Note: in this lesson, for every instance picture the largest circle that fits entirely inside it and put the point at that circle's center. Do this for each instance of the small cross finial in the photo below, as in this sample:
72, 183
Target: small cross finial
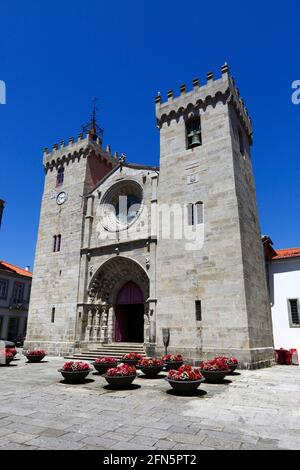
94, 114
92, 127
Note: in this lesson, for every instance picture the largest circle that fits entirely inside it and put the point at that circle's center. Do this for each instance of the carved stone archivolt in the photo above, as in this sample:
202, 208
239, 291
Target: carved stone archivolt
112, 275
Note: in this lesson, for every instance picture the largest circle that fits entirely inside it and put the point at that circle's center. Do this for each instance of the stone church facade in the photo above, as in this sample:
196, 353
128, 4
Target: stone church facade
132, 253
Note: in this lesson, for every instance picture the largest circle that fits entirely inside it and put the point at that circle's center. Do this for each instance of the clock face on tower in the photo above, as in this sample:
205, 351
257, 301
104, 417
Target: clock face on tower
61, 198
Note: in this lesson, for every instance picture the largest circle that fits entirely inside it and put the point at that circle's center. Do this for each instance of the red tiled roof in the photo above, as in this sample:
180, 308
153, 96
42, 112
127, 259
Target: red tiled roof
287, 253
16, 269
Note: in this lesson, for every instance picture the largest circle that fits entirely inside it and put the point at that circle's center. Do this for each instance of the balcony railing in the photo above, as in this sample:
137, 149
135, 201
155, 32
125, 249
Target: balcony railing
18, 304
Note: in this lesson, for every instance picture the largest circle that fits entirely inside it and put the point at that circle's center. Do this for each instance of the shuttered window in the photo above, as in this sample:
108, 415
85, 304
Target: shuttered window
294, 312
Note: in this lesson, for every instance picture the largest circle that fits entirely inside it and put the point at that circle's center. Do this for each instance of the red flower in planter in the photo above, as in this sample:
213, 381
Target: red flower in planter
233, 361
122, 370
75, 366
133, 356
187, 373
150, 361
13, 351
217, 364
36, 352
173, 358
106, 360
230, 360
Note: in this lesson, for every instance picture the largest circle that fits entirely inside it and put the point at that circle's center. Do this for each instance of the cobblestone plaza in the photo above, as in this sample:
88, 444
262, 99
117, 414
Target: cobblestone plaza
249, 411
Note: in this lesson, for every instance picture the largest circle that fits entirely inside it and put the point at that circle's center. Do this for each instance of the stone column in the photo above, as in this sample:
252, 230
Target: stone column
150, 347
89, 327
104, 337
110, 325
97, 318
152, 319
146, 324
96, 327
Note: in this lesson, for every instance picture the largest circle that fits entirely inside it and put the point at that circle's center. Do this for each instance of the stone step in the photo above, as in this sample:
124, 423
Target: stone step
115, 350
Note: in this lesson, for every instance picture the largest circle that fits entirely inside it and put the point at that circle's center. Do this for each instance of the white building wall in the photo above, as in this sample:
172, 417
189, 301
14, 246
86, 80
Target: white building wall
285, 285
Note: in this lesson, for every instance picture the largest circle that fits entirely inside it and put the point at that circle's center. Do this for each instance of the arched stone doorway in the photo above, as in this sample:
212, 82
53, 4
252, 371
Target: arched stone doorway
129, 314
118, 293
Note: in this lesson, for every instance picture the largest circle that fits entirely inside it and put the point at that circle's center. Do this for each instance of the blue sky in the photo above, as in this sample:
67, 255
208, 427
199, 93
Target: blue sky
56, 56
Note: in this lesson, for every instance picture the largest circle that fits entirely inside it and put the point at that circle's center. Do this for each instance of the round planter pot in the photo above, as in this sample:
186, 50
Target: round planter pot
35, 358
173, 365
151, 371
130, 362
233, 368
103, 367
184, 386
74, 377
119, 381
215, 376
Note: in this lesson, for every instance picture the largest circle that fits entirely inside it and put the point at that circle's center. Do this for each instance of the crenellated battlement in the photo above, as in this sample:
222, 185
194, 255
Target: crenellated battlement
85, 145
201, 96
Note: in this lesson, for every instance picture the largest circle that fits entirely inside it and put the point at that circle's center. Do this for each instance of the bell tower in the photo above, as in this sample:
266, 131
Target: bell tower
211, 290
71, 171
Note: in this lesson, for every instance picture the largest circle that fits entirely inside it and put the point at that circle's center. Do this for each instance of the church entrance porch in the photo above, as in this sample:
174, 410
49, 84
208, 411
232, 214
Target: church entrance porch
118, 311
129, 314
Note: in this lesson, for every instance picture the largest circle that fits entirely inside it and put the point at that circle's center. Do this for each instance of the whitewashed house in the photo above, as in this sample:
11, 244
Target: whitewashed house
284, 287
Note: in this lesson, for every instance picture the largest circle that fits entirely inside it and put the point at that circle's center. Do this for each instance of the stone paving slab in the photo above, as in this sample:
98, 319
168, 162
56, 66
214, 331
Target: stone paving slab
252, 410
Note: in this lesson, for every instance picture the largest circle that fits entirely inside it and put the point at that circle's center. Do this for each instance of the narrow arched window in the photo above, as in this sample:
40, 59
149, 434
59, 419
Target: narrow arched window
199, 213
58, 245
190, 209
54, 243
195, 213
60, 177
